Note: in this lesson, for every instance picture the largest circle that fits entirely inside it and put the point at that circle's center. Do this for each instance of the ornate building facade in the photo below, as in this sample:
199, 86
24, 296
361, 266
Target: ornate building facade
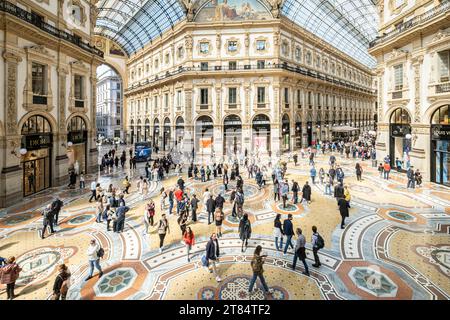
414, 85
234, 78
47, 110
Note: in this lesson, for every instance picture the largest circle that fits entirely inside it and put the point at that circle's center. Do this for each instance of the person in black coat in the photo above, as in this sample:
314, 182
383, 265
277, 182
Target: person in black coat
219, 201
245, 231
343, 210
180, 183
56, 208
120, 223
212, 254
288, 229
339, 191
306, 192
210, 207
295, 188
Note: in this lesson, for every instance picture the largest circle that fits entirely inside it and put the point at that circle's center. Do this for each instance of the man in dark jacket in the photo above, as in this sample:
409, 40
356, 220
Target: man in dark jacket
210, 207
306, 192
288, 229
339, 191
295, 189
120, 212
212, 254
47, 220
56, 208
343, 209
194, 207
219, 201
180, 183
411, 178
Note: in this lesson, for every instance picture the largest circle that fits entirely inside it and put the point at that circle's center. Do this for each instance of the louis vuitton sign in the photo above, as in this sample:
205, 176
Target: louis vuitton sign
440, 132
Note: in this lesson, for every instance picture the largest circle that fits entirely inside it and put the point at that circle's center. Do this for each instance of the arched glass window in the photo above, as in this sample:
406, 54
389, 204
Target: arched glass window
400, 116
36, 125
441, 116
76, 124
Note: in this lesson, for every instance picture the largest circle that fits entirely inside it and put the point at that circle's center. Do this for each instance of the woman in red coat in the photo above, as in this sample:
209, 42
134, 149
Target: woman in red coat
8, 275
189, 240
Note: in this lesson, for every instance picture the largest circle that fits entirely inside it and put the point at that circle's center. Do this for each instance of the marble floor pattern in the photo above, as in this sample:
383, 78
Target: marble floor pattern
396, 244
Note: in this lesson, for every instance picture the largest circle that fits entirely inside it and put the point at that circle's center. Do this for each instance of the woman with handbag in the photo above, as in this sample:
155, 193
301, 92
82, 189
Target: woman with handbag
8, 275
61, 284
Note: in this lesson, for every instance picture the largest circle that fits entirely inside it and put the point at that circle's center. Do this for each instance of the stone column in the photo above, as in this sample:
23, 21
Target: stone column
218, 129
188, 139
11, 175
60, 174
92, 157
246, 121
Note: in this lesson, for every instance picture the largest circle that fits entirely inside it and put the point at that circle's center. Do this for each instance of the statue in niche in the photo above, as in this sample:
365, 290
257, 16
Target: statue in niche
276, 7
189, 10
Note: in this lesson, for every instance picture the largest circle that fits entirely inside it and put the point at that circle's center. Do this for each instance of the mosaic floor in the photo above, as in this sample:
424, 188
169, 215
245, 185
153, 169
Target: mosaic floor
396, 244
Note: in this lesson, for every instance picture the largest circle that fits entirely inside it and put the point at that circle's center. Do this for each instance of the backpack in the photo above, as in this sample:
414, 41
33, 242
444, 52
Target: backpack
100, 252
320, 243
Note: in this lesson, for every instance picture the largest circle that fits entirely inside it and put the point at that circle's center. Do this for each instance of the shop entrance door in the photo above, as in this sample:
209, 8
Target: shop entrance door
36, 175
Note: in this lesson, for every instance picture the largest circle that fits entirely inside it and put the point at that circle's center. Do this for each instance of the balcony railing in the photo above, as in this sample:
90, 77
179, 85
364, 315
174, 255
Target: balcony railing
443, 7
397, 94
443, 87
35, 20
275, 67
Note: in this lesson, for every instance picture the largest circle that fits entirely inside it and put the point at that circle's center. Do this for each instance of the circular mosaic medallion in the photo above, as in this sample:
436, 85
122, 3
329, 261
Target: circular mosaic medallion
402, 216
289, 207
115, 282
17, 218
236, 288
373, 281
83, 218
442, 257
249, 191
40, 263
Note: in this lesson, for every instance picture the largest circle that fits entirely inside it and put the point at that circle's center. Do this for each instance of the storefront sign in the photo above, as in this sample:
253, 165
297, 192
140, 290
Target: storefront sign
440, 132
400, 130
38, 141
77, 136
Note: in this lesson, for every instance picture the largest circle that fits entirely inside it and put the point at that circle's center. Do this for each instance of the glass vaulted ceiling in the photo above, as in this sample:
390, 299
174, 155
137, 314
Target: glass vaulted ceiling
348, 25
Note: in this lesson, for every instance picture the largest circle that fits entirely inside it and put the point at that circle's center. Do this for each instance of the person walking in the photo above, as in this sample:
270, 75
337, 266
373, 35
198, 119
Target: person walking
194, 207
108, 215
93, 191
82, 182
212, 255
288, 229
386, 170
339, 191
418, 177
411, 178
61, 284
276, 190
94, 253
100, 210
9, 275
56, 208
284, 190
47, 220
300, 251
189, 241
317, 244
163, 229
278, 232
245, 231
358, 170
126, 184
313, 173
306, 193
347, 195
380, 170
120, 213
258, 271
343, 210
295, 189
218, 217
210, 207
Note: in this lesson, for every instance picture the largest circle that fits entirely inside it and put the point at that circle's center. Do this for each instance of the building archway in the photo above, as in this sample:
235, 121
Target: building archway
440, 145
285, 133
399, 128
261, 133
36, 162
77, 142
166, 134
232, 135
204, 135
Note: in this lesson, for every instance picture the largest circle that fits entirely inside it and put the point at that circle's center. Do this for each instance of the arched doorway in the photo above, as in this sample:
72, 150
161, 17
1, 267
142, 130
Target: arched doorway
179, 133
166, 134
77, 137
440, 146
232, 135
399, 127
156, 133
298, 131
261, 133
37, 140
309, 130
204, 135
285, 133
139, 131
147, 130
132, 131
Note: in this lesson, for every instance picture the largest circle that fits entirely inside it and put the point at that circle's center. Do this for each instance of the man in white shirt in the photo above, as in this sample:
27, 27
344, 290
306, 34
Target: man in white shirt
206, 196
94, 259
93, 190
